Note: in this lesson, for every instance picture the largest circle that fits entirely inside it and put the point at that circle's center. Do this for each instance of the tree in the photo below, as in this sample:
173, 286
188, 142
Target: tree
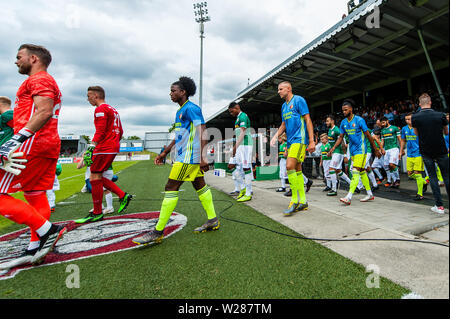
87, 138
133, 138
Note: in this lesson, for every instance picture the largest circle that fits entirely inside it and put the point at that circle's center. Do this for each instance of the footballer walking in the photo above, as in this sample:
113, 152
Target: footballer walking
102, 152
190, 163
242, 150
357, 132
35, 143
296, 122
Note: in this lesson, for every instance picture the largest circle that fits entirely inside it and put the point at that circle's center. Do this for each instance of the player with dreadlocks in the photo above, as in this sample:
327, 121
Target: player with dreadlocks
190, 163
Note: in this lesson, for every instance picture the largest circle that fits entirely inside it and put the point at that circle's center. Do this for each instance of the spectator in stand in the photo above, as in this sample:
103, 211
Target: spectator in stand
389, 116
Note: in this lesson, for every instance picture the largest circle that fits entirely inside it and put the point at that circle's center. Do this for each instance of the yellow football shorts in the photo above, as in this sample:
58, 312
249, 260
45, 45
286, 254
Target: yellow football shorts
297, 151
359, 160
185, 172
414, 164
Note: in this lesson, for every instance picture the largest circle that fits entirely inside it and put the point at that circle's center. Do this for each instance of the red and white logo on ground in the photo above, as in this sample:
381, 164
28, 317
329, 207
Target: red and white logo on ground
111, 235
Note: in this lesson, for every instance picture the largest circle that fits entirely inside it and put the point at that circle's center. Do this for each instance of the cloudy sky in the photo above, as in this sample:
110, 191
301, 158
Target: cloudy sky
136, 48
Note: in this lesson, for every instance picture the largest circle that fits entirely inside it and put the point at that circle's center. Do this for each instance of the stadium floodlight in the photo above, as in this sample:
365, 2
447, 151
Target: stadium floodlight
201, 13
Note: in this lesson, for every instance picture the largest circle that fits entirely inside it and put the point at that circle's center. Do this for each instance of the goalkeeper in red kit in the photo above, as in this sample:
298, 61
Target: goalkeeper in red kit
28, 159
101, 153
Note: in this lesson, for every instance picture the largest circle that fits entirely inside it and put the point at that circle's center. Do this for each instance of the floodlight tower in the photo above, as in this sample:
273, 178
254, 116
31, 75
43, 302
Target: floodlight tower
201, 14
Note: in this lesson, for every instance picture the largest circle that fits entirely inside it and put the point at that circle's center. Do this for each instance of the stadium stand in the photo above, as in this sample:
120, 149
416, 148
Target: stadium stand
384, 69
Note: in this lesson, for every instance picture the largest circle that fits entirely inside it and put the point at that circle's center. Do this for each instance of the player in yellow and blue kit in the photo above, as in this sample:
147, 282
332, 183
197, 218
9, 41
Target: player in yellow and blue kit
357, 132
414, 161
296, 122
189, 165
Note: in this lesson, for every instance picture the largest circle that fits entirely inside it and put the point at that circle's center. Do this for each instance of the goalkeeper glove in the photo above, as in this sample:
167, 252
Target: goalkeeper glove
88, 155
13, 165
8, 157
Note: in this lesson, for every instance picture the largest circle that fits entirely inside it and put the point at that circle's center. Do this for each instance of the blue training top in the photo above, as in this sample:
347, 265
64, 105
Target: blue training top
292, 114
187, 141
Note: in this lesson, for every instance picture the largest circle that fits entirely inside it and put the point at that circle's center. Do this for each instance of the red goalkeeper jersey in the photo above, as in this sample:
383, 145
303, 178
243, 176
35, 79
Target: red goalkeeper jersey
46, 141
108, 130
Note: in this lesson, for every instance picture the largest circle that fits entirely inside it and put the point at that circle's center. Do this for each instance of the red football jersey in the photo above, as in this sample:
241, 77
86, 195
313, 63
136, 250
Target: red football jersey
46, 141
108, 130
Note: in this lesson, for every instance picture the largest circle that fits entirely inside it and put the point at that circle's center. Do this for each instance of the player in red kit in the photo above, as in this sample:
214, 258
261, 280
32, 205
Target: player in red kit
101, 153
35, 143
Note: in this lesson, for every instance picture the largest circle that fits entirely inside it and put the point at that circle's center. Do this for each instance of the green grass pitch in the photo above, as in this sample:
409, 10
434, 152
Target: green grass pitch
237, 261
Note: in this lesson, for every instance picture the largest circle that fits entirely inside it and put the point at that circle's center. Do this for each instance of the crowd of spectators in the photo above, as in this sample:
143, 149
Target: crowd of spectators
68, 152
394, 110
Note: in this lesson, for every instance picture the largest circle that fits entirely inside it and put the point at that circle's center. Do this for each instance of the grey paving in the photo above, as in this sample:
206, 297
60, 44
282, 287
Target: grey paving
422, 268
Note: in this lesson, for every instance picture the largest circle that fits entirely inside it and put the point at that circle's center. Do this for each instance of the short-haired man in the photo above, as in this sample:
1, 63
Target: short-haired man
414, 161
296, 121
242, 149
430, 126
102, 152
36, 138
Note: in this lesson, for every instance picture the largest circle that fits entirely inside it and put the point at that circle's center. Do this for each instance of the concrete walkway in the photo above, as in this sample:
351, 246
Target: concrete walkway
422, 268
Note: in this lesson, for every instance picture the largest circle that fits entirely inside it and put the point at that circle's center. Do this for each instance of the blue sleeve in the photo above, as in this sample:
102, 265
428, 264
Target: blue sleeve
301, 106
194, 114
363, 125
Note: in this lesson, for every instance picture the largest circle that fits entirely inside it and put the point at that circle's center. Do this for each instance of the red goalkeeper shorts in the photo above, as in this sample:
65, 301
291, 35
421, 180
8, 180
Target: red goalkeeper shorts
38, 175
102, 162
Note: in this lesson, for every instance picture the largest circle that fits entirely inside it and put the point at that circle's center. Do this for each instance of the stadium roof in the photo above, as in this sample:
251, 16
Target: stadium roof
350, 58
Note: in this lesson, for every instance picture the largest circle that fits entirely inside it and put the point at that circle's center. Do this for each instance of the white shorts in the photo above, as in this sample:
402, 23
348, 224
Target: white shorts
326, 166
378, 162
106, 174
244, 156
391, 156
283, 170
336, 161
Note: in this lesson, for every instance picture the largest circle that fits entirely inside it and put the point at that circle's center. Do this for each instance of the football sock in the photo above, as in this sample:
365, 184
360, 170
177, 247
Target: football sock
283, 183
237, 180
97, 195
39, 201
366, 182
396, 174
377, 171
205, 197
109, 200
20, 212
333, 180
439, 174
168, 205
372, 178
344, 177
111, 186
51, 198
248, 182
420, 182
354, 182
301, 187
293, 182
